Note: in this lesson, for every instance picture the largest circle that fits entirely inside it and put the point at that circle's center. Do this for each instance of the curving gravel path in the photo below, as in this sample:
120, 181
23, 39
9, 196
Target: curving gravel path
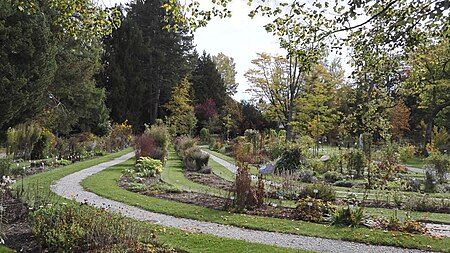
69, 187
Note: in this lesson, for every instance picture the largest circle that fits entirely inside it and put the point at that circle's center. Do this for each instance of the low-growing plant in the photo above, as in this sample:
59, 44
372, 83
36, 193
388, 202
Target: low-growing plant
414, 184
287, 188
315, 210
424, 203
78, 228
333, 176
63, 162
306, 176
348, 215
344, 183
395, 224
147, 167
318, 191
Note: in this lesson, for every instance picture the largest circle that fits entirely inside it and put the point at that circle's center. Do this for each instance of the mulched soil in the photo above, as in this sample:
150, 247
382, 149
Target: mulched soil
18, 233
206, 200
210, 180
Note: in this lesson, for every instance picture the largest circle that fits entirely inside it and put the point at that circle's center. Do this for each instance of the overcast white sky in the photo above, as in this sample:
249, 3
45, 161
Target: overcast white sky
239, 37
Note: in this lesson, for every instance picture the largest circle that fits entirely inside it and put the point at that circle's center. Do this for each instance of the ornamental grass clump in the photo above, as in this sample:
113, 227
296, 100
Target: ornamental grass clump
193, 158
348, 215
247, 196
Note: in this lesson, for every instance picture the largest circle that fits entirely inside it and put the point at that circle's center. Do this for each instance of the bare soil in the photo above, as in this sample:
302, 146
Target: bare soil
18, 233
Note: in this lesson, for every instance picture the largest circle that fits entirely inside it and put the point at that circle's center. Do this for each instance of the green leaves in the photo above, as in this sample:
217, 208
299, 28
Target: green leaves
76, 18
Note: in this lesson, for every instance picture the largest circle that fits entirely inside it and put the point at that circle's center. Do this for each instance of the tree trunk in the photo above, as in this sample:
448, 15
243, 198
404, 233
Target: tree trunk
428, 133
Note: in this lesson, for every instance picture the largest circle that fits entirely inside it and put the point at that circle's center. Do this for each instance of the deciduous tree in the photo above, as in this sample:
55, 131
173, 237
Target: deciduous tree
227, 69
181, 117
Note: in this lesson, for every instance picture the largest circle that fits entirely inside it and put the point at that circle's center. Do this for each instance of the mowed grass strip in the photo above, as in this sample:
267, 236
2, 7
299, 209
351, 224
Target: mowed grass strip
108, 188
173, 175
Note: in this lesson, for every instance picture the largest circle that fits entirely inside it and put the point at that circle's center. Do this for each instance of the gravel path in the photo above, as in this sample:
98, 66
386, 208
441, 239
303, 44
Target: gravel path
70, 188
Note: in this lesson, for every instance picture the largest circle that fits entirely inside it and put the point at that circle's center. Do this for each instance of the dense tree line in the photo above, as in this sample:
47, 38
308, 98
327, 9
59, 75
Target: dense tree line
47, 68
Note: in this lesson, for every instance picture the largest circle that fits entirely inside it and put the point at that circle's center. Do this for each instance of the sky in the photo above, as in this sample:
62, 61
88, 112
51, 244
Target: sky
239, 37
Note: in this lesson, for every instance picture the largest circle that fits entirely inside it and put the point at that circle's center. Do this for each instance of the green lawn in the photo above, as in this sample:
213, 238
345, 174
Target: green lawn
109, 188
173, 175
415, 162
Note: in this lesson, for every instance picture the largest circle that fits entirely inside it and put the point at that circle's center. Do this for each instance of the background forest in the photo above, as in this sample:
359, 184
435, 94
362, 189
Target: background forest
137, 63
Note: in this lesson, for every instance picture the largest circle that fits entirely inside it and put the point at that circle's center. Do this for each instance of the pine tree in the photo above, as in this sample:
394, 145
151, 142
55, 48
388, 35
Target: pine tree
143, 61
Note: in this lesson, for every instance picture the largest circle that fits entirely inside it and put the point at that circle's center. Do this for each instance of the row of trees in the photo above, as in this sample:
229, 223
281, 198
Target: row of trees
399, 52
409, 100
70, 67
154, 73
49, 55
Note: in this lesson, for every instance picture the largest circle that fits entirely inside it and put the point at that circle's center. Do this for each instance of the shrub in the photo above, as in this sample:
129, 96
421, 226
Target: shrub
318, 191
243, 151
291, 159
406, 152
306, 143
161, 137
119, 137
355, 162
348, 215
440, 164
430, 181
182, 144
306, 176
5, 166
42, 147
344, 183
22, 138
246, 196
316, 165
216, 145
275, 150
145, 146
333, 176
315, 210
75, 228
204, 135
